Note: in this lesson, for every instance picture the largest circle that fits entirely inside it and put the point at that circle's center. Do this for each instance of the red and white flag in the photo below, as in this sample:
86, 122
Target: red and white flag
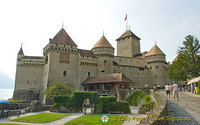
125, 18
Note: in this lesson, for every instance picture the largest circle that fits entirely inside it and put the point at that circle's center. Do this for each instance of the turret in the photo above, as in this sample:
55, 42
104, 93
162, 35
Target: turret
105, 53
156, 62
20, 55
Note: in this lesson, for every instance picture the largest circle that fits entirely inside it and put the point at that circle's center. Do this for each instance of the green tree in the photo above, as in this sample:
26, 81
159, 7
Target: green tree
187, 64
57, 88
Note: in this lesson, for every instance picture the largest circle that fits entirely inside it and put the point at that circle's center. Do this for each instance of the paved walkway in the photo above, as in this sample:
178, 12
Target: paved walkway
187, 106
57, 122
134, 118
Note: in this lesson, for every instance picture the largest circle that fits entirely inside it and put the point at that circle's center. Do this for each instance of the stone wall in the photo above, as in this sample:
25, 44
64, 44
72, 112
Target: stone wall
159, 114
14, 106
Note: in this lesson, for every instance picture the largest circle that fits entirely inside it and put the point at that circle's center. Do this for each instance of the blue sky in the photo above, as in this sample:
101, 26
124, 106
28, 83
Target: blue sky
33, 22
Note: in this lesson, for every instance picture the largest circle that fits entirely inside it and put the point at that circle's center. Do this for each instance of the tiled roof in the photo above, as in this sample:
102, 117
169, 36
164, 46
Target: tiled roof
21, 51
63, 38
155, 50
86, 53
103, 42
109, 78
128, 33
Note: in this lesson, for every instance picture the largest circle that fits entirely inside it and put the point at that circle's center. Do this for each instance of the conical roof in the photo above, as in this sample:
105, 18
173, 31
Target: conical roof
103, 42
155, 50
21, 51
63, 38
126, 34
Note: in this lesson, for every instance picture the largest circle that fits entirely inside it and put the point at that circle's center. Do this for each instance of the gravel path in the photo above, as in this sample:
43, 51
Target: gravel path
188, 106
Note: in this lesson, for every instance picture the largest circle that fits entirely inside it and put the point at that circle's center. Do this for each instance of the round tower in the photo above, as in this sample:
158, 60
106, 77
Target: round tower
156, 62
105, 53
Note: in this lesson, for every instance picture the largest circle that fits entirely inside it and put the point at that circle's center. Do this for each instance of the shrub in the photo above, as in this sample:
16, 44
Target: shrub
146, 107
147, 98
76, 99
121, 106
134, 98
108, 104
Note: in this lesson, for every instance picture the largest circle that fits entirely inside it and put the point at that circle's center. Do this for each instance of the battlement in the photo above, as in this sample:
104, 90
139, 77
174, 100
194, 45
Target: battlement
32, 60
59, 48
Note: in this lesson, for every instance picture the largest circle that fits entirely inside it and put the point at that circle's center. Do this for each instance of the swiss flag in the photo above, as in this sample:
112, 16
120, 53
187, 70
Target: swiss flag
125, 18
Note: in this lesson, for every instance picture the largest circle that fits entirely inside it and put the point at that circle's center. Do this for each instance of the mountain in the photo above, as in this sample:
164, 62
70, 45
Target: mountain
6, 82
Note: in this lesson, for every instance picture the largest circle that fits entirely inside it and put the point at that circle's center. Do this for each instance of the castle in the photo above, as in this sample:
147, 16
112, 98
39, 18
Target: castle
97, 69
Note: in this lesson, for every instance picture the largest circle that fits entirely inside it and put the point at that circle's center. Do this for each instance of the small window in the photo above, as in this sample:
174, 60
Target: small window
104, 62
150, 67
102, 70
46, 59
88, 73
141, 69
155, 76
27, 81
156, 67
64, 73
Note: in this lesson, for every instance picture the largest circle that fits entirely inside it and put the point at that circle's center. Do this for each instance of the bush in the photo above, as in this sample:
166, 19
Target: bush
147, 98
105, 102
76, 99
146, 107
134, 98
108, 104
121, 106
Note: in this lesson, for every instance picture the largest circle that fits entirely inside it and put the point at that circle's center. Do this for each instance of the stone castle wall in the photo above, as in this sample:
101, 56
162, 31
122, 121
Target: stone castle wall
28, 82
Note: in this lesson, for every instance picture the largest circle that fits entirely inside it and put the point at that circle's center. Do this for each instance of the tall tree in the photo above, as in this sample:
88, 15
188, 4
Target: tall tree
57, 88
187, 64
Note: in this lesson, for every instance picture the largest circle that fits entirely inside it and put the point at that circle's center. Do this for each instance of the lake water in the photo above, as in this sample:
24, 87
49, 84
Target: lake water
6, 93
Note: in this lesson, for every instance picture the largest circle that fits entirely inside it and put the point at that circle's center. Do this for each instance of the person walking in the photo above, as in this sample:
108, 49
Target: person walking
154, 88
171, 88
167, 91
175, 91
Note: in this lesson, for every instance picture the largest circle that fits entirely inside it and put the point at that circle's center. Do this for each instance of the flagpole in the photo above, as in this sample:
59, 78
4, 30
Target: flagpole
127, 24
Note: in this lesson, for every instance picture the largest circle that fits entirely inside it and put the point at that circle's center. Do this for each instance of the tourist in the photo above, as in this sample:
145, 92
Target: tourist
154, 88
175, 90
158, 86
171, 88
180, 88
167, 91
183, 88
84, 108
18, 113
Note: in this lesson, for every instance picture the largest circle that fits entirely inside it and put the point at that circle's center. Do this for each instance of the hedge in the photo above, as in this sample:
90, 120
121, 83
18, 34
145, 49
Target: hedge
76, 99
107, 104
121, 106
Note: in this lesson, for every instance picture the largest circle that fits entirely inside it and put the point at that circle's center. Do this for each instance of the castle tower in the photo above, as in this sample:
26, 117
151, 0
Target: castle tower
61, 61
156, 63
105, 53
128, 44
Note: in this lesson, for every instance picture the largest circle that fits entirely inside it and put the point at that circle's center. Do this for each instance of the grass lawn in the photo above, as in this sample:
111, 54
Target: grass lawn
40, 118
96, 120
9, 124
